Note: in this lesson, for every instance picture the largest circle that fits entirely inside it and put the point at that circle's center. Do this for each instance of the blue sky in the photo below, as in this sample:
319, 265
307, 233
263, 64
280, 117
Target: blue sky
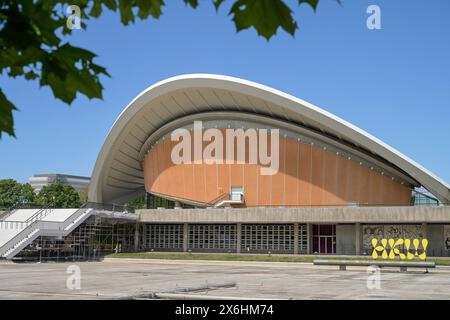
394, 83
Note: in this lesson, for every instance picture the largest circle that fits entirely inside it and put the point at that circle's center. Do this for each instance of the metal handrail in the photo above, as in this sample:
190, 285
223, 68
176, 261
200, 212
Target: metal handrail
42, 213
341, 205
217, 199
39, 215
11, 209
23, 224
230, 200
13, 241
70, 220
195, 203
109, 207
41, 225
32, 218
14, 225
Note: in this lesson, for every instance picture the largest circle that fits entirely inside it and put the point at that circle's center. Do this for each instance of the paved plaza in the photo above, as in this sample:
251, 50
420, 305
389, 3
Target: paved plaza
126, 278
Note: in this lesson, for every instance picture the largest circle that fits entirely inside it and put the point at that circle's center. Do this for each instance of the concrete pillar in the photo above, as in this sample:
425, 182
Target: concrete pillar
424, 233
144, 244
177, 205
185, 237
309, 237
149, 243
436, 240
136, 237
238, 237
424, 230
358, 238
295, 238
345, 239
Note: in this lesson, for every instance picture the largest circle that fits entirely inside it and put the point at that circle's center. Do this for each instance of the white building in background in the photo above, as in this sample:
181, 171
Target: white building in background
38, 181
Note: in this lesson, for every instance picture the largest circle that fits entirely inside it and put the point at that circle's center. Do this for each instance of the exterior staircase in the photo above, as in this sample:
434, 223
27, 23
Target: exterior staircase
35, 226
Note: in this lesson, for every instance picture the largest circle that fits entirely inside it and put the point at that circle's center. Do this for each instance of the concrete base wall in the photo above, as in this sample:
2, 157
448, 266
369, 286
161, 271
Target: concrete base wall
345, 239
418, 214
348, 241
348, 221
435, 236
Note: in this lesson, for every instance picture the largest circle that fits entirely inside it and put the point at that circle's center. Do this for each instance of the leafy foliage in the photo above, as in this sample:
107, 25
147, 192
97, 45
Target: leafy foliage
14, 193
6, 115
33, 33
31, 47
248, 13
138, 203
83, 193
58, 195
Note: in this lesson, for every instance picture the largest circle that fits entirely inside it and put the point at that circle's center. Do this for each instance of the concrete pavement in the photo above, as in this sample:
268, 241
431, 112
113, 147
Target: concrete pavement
123, 278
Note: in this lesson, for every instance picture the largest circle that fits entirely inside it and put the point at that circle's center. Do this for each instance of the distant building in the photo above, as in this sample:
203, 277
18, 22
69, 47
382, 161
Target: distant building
38, 181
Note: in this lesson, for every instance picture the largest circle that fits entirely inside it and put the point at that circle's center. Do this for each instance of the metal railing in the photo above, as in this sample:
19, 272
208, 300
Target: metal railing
328, 206
218, 199
40, 225
19, 236
10, 225
109, 207
35, 222
233, 198
11, 209
42, 213
39, 215
341, 205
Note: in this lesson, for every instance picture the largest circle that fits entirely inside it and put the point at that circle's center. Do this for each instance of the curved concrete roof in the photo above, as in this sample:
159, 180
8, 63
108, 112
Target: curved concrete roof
118, 176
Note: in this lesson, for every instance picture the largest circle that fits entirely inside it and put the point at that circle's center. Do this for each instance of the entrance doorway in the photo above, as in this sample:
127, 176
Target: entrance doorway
324, 238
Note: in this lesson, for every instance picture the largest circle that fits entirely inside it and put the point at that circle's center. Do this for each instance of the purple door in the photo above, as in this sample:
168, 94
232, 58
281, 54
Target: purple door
324, 238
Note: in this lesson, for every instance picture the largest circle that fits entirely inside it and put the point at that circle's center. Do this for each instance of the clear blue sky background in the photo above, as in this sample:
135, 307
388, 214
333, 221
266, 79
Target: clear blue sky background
393, 83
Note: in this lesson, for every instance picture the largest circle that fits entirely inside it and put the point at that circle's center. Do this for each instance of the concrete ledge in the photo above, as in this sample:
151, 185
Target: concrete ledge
232, 263
387, 263
417, 214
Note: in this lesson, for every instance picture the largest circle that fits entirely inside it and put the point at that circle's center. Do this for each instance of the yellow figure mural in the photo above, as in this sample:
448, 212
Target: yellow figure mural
381, 248
394, 251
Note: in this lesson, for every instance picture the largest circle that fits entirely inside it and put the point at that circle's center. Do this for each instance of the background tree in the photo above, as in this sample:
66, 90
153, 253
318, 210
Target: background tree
83, 193
58, 195
138, 203
33, 40
14, 193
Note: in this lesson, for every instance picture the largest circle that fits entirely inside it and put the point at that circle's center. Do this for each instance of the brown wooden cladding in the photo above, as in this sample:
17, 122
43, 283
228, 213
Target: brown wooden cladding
307, 176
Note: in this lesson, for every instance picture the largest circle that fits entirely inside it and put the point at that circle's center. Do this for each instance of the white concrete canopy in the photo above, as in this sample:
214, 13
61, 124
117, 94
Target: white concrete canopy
118, 176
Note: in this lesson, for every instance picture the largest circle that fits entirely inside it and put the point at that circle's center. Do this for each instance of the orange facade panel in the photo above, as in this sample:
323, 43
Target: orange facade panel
277, 188
307, 176
290, 196
317, 179
305, 165
342, 181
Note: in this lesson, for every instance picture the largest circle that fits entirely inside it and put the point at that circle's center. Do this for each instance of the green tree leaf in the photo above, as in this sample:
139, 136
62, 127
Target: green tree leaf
58, 195
6, 115
217, 3
13, 193
312, 3
266, 16
126, 11
138, 203
31, 43
192, 3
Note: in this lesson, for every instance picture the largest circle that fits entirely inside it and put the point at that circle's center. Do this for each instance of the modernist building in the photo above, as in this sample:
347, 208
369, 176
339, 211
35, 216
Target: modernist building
329, 187
38, 181
336, 186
